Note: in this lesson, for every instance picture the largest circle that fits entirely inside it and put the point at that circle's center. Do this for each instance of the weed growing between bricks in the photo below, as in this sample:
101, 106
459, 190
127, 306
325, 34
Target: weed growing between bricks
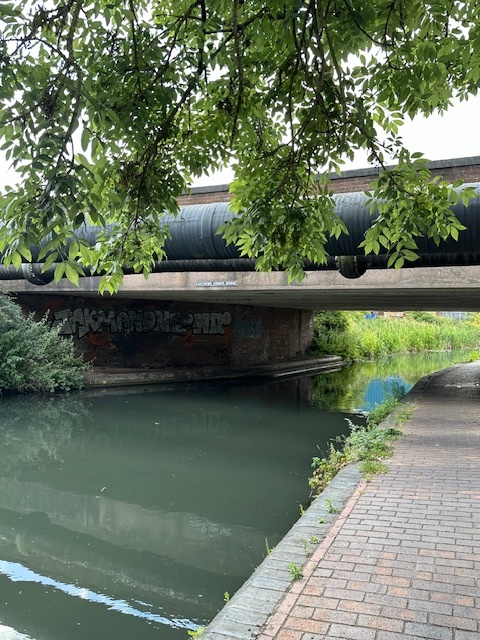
369, 444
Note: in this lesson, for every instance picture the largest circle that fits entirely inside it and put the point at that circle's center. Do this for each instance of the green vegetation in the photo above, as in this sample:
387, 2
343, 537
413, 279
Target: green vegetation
268, 548
473, 356
350, 335
109, 109
295, 571
331, 508
368, 445
33, 357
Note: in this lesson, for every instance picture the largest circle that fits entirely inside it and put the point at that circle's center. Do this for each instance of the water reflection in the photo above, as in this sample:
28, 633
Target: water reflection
128, 514
159, 500
359, 387
18, 573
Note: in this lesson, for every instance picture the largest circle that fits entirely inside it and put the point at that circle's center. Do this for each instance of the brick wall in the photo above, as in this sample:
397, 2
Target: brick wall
466, 169
149, 334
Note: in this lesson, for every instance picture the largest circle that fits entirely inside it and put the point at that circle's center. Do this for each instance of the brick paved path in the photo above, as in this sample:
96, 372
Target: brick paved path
402, 562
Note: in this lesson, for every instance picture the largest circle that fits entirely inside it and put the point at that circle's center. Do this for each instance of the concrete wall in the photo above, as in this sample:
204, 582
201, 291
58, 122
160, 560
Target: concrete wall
119, 332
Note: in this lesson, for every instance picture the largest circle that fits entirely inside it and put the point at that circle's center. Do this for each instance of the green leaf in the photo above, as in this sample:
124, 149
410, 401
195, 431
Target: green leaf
59, 272
71, 274
409, 255
85, 139
16, 259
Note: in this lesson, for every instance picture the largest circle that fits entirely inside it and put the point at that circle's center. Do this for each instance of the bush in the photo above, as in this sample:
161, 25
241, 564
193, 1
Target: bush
34, 357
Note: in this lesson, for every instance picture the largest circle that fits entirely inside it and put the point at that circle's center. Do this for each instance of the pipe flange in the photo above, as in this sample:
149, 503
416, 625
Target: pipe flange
350, 267
33, 273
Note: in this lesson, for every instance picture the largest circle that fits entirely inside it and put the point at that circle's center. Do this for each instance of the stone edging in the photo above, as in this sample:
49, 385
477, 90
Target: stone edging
244, 616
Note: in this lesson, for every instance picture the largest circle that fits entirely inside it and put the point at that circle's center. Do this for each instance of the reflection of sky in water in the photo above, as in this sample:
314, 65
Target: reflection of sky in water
379, 388
8, 633
18, 573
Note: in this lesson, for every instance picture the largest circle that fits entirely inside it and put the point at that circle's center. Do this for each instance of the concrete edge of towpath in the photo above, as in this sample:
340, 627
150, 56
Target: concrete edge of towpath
249, 609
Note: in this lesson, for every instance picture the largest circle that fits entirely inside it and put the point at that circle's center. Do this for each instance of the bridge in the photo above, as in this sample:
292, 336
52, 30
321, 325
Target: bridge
206, 305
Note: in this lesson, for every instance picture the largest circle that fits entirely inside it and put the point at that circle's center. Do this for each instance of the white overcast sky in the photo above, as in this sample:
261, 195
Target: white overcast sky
456, 134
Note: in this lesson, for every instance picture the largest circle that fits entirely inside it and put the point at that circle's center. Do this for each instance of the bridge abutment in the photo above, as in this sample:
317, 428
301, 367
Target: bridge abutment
154, 334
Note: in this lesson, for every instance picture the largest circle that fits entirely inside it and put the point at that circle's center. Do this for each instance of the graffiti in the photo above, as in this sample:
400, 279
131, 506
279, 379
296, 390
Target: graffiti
248, 328
80, 322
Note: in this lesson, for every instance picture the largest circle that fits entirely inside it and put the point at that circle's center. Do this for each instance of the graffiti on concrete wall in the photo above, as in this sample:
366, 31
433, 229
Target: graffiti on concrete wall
80, 322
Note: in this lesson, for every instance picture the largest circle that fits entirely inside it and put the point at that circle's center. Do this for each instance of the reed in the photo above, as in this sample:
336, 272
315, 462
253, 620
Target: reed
355, 338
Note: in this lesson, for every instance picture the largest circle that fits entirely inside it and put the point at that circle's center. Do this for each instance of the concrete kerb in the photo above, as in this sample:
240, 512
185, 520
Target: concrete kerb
245, 615
118, 377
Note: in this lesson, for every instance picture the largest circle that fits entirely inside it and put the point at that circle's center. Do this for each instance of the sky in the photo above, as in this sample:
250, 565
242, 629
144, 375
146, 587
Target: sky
456, 134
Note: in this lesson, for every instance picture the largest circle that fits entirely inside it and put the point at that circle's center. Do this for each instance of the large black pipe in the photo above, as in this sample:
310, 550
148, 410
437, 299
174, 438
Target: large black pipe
196, 246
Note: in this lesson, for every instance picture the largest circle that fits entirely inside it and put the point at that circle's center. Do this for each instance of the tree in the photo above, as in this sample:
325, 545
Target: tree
110, 107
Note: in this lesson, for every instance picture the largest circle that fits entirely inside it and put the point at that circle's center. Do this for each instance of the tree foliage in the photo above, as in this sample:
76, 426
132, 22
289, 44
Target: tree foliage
110, 107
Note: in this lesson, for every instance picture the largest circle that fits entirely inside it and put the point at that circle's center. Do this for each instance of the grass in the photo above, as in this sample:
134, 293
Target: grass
350, 335
369, 445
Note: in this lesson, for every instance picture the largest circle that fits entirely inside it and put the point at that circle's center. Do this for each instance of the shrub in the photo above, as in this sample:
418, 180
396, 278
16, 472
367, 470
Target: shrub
33, 356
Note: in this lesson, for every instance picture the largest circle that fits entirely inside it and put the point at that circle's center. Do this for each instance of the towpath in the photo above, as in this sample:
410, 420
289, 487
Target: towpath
402, 560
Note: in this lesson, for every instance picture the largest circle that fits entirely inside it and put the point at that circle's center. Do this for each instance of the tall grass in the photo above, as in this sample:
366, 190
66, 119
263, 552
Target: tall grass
356, 338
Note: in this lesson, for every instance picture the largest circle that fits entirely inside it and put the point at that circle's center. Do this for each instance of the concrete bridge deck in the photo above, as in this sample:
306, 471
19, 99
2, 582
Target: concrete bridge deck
402, 560
427, 288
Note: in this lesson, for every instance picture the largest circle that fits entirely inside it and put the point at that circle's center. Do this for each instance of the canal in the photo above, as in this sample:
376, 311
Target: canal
129, 513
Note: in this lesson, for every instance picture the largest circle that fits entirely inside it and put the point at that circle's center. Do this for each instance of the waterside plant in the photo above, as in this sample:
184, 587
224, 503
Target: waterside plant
369, 444
354, 337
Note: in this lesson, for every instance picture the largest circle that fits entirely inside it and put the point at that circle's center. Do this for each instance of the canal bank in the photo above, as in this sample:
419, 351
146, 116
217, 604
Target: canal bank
117, 376
401, 559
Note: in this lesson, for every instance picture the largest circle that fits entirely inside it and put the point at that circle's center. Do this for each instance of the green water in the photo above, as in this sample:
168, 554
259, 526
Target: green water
128, 514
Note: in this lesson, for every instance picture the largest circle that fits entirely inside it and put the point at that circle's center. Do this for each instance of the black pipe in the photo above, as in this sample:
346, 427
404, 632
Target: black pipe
195, 245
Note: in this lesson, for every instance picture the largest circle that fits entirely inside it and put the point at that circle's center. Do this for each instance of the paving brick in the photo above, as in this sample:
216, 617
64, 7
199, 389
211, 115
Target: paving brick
315, 626
455, 622
320, 602
379, 622
350, 633
466, 635
402, 560
428, 631
288, 634
404, 614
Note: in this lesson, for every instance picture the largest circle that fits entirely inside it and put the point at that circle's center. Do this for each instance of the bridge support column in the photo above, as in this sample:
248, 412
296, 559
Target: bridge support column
122, 332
